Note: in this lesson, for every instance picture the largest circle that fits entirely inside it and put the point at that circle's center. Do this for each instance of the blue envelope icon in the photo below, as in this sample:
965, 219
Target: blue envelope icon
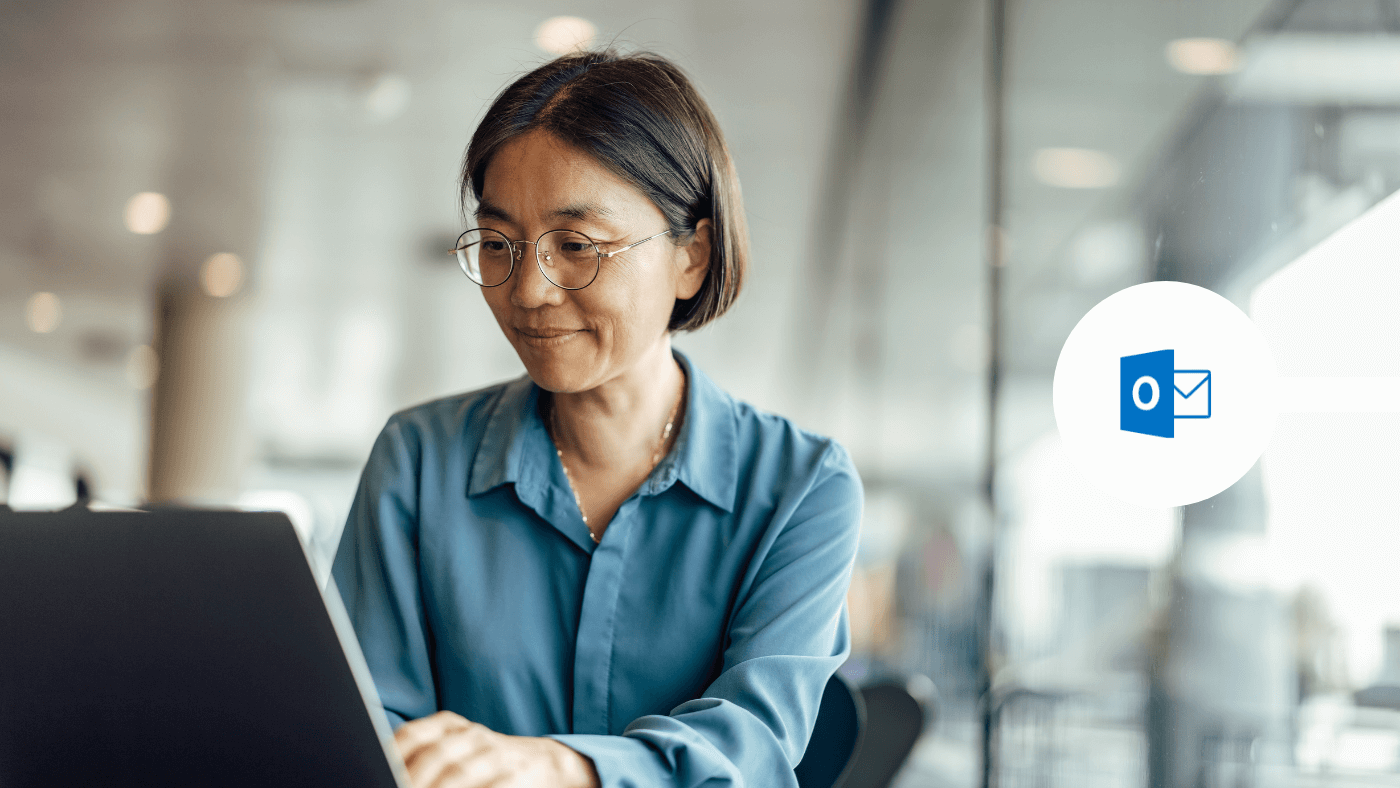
1153, 394
1191, 393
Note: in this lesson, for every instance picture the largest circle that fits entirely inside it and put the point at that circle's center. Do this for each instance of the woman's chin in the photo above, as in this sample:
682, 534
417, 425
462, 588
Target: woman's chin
559, 372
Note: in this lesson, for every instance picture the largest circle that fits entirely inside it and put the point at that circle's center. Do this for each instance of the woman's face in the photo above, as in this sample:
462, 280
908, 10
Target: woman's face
575, 340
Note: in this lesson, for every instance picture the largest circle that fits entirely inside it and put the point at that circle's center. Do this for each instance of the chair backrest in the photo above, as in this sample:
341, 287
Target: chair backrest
835, 738
894, 720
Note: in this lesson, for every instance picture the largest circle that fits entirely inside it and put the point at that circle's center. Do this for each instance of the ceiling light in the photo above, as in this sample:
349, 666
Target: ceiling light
388, 96
1075, 168
222, 274
1203, 55
147, 213
142, 367
43, 313
1321, 69
1106, 251
561, 35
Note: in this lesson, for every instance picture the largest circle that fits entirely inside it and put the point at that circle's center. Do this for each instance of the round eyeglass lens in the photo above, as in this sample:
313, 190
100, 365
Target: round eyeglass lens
485, 256
568, 259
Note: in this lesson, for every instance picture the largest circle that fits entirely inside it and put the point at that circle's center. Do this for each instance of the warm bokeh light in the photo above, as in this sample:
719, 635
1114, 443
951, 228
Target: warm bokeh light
147, 213
43, 313
142, 367
561, 35
1203, 56
222, 275
1075, 168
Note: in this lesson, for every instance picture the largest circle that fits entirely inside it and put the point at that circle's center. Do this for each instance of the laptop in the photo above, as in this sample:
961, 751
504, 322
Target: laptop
178, 648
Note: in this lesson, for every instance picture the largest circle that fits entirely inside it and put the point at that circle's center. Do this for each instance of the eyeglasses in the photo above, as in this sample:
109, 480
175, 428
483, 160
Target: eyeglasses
567, 259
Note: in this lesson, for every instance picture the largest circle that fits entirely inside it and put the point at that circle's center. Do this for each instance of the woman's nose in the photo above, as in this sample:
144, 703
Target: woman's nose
531, 288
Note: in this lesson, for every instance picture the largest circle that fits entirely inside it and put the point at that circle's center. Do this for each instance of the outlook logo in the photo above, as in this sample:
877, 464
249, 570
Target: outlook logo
1108, 394
1154, 394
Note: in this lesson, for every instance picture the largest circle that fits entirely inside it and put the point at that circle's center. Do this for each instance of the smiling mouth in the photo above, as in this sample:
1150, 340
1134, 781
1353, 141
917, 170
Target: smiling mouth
547, 336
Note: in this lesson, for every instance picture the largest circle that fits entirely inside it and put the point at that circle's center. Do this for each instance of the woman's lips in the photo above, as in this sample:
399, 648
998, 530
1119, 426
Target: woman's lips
545, 337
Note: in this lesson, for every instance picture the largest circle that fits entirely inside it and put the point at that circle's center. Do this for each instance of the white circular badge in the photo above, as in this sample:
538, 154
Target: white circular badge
1164, 394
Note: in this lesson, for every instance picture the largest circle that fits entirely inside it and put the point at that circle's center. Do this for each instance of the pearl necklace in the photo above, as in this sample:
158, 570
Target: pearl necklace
655, 455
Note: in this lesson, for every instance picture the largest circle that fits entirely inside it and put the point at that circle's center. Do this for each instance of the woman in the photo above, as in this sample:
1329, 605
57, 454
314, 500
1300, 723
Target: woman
609, 572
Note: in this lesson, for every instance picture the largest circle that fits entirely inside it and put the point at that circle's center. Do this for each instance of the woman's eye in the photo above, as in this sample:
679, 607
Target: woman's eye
494, 247
574, 247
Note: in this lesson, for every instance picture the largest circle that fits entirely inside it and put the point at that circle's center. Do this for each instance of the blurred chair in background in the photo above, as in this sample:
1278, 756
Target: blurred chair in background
7, 465
837, 735
894, 720
863, 735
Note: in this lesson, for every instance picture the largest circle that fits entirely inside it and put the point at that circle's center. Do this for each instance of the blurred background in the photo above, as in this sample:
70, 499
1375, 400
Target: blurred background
223, 265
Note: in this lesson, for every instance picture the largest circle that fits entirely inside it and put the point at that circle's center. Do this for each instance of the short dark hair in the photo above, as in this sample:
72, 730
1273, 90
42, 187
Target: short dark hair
640, 117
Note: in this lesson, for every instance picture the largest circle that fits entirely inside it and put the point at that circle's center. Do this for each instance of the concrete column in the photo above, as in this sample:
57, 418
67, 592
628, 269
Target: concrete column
198, 436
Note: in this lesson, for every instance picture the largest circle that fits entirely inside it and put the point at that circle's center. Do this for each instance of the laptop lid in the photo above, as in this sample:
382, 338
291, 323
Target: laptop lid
180, 648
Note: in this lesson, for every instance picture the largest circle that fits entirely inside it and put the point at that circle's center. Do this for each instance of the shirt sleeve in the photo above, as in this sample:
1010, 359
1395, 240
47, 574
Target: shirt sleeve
788, 635
376, 572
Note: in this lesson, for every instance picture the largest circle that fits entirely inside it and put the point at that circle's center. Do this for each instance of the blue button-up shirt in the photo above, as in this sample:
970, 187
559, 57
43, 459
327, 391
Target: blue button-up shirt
692, 645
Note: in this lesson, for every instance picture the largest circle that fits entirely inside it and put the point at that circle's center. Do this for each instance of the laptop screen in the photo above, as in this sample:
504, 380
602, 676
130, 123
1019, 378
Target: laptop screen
178, 648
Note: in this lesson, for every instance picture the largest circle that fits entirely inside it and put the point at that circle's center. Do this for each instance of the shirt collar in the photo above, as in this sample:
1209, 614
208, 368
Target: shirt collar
515, 447
706, 455
513, 425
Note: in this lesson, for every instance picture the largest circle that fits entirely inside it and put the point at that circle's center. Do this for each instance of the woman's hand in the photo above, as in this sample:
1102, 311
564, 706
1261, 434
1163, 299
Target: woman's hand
448, 751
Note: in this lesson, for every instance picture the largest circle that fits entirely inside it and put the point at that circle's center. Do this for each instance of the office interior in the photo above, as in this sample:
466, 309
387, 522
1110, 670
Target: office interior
223, 265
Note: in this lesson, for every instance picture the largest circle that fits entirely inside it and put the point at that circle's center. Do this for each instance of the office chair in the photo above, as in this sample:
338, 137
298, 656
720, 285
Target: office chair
894, 720
836, 737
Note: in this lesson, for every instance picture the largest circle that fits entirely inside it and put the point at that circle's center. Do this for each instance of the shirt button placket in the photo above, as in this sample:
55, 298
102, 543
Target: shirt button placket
597, 622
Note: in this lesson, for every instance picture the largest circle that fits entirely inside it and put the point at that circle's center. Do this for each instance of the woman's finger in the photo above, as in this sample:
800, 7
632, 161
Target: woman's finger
412, 736
411, 741
474, 772
454, 760
438, 724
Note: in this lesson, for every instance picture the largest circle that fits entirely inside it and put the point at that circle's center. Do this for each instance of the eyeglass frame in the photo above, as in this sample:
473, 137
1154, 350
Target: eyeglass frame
517, 253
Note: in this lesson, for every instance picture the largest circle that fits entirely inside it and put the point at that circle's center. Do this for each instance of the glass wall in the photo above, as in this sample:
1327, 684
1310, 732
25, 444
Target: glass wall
1250, 639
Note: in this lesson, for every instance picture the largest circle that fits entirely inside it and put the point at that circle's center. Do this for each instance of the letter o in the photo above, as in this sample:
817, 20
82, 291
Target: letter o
1150, 404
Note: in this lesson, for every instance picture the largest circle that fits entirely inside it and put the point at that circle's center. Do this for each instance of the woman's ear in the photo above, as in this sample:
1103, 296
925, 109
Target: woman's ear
694, 260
